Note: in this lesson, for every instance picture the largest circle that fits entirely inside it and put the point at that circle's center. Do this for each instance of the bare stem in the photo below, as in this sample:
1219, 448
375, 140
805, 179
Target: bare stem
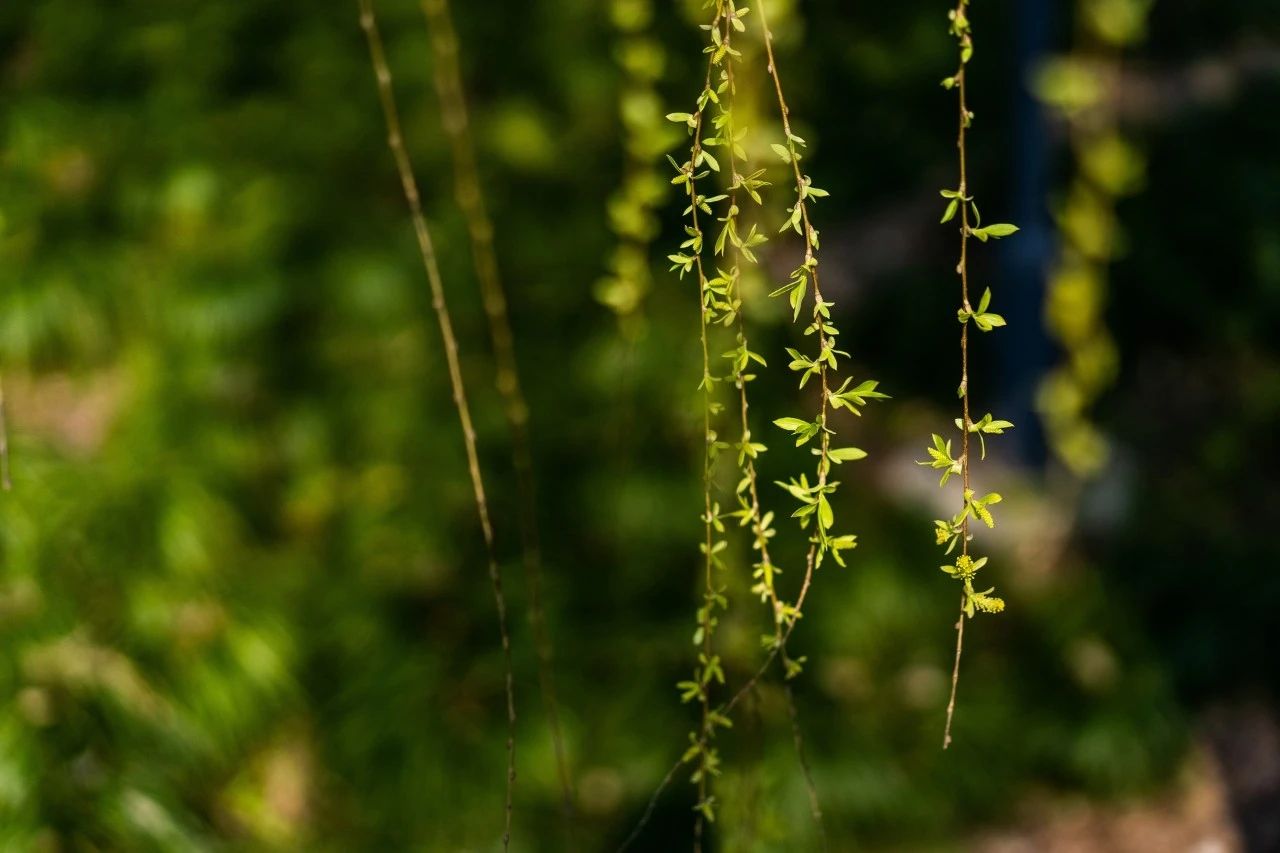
395, 142
470, 197
955, 675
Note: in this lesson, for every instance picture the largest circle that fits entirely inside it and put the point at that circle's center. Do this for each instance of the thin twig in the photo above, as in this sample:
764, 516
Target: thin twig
824, 459
470, 197
395, 142
963, 270
648, 809
749, 469
811, 261
704, 320
955, 675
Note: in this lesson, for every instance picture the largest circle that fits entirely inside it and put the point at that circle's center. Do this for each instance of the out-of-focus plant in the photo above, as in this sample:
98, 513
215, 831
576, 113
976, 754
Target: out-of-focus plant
470, 197
632, 207
955, 530
1081, 87
395, 141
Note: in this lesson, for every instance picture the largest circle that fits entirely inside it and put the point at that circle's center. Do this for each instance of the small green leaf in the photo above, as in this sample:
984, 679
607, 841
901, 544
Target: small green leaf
846, 454
998, 230
825, 516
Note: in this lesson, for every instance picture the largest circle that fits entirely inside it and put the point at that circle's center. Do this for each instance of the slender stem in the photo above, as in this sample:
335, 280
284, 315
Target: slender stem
467, 190
649, 807
963, 270
824, 459
810, 262
704, 320
395, 142
749, 469
955, 675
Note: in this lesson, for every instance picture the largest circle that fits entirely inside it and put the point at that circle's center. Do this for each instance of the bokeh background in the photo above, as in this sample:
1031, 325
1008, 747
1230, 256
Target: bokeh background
242, 591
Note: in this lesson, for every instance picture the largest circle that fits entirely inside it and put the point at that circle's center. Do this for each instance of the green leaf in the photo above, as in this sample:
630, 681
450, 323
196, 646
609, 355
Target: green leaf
791, 424
998, 230
846, 454
825, 516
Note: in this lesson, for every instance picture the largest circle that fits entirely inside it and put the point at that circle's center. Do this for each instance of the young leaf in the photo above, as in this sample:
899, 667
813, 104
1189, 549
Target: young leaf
846, 454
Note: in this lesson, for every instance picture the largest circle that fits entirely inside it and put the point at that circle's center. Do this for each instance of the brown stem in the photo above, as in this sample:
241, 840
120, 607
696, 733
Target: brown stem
470, 197
395, 142
963, 270
955, 675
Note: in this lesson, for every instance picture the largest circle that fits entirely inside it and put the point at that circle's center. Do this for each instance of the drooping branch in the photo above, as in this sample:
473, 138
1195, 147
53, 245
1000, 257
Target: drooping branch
409, 184
470, 197
955, 531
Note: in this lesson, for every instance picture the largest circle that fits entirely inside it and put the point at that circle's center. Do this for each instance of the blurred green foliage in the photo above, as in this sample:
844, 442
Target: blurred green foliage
241, 588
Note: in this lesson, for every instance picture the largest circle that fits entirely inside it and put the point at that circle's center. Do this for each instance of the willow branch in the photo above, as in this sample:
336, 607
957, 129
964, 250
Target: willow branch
963, 269
757, 521
395, 142
447, 78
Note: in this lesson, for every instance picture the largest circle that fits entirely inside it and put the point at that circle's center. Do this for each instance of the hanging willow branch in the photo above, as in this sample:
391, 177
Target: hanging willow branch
727, 303
955, 530
722, 305
470, 198
395, 141
708, 669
